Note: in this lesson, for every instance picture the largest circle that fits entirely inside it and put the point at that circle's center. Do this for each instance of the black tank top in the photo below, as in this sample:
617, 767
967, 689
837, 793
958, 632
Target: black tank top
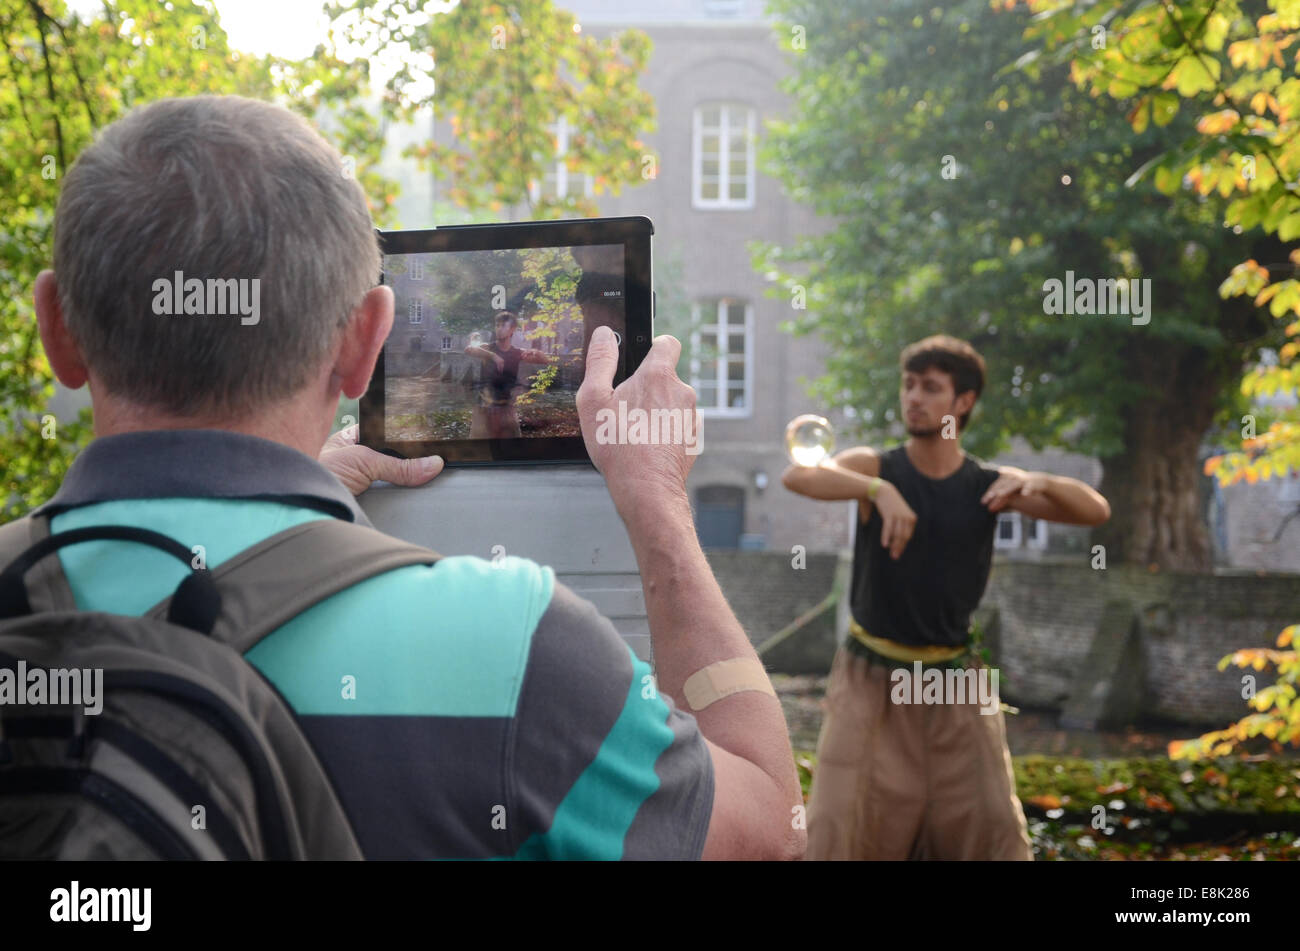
927, 596
501, 383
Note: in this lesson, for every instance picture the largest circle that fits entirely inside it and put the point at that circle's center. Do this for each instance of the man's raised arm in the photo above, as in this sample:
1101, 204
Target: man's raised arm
756, 789
851, 474
855, 474
1051, 498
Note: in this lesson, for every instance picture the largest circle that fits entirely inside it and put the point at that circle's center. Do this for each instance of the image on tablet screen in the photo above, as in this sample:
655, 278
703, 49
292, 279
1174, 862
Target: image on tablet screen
490, 344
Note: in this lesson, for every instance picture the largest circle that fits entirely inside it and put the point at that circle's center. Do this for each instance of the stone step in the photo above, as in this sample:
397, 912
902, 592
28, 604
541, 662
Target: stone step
1106, 690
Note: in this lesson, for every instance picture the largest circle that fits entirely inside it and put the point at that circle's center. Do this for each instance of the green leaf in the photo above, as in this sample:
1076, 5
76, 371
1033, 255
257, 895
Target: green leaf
1164, 107
1195, 74
1167, 181
1289, 229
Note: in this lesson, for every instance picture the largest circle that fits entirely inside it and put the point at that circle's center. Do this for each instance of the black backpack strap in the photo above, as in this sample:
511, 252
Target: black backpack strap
47, 588
277, 579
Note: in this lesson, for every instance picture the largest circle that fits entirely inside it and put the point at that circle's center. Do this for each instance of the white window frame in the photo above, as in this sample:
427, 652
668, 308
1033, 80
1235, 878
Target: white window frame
560, 129
727, 110
1038, 537
446, 343
415, 312
720, 363
416, 271
1007, 518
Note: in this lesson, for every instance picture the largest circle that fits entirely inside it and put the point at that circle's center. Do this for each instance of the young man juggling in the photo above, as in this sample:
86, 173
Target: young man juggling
899, 780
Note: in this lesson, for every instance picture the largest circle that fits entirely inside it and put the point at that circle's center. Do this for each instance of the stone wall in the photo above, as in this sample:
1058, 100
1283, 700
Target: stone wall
767, 593
1042, 618
1047, 613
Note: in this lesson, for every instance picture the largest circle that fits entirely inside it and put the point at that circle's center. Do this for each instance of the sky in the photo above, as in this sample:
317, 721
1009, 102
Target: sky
289, 28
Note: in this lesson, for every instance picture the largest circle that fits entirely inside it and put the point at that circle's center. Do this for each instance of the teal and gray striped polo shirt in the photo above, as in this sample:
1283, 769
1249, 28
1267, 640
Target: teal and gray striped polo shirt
492, 713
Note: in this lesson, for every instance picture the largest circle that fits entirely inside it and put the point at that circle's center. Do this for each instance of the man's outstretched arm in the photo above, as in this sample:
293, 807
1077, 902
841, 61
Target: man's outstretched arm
1052, 498
855, 474
850, 474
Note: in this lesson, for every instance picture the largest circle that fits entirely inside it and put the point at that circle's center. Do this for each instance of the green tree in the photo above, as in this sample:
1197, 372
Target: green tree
62, 77
959, 186
1231, 66
500, 74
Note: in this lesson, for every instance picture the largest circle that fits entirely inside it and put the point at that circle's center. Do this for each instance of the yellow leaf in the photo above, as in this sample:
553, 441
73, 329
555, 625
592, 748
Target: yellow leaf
1140, 116
1217, 122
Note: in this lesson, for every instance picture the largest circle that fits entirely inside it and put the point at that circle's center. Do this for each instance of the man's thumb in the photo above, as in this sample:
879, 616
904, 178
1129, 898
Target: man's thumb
602, 360
408, 471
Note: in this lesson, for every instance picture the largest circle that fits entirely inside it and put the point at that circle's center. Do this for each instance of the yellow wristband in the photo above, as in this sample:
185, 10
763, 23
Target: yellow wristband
875, 488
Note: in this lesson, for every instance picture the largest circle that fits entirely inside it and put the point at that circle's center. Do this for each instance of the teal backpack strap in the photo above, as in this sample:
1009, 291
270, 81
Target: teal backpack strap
272, 582
47, 588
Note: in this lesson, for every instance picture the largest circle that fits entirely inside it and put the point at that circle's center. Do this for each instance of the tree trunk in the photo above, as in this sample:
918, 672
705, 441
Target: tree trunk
1157, 516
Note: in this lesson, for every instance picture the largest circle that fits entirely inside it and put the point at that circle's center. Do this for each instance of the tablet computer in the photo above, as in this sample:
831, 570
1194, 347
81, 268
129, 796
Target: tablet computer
492, 322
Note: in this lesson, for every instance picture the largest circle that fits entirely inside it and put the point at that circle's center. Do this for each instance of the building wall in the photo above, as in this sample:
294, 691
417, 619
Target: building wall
736, 61
1258, 526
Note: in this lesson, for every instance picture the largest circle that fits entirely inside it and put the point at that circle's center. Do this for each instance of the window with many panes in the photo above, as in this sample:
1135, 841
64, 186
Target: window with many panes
723, 148
1016, 529
559, 181
417, 269
1008, 533
415, 312
1035, 532
722, 356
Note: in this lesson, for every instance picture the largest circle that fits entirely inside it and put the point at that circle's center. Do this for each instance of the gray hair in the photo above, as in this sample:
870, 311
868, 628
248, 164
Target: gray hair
216, 187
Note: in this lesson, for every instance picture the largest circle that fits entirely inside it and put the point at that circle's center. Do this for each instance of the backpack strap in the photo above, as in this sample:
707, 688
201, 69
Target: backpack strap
47, 588
270, 583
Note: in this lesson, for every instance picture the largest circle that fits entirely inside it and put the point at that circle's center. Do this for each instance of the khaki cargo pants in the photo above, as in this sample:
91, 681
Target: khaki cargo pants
909, 781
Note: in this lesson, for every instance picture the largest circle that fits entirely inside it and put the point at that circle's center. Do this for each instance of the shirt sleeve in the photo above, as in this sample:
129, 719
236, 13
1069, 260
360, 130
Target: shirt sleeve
603, 766
988, 474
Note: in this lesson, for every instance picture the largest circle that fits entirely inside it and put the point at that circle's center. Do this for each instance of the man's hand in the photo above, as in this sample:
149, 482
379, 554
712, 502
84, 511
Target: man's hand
357, 467
636, 474
501, 364
1011, 483
898, 519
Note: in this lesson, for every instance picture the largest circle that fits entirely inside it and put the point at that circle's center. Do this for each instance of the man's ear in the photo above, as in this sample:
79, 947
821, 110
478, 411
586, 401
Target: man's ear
60, 349
367, 329
962, 404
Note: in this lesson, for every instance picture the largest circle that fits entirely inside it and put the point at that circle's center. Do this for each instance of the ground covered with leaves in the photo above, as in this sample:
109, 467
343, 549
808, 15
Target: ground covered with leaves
1123, 800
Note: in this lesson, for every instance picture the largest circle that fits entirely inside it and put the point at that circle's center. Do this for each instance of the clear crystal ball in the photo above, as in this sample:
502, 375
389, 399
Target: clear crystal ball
809, 440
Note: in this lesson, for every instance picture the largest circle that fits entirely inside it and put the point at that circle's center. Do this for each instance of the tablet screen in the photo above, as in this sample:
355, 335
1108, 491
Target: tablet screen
489, 344
490, 332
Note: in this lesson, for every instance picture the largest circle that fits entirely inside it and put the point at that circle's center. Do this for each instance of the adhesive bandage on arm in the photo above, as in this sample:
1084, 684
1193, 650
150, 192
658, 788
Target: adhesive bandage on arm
723, 678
